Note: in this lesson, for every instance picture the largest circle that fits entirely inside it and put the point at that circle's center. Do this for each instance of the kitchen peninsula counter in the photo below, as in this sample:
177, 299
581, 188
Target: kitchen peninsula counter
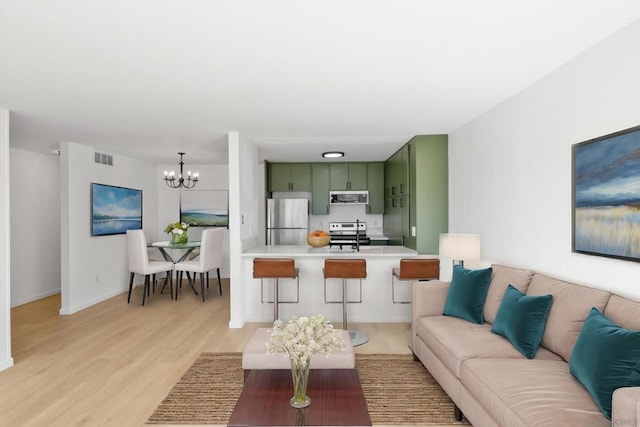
376, 306
326, 252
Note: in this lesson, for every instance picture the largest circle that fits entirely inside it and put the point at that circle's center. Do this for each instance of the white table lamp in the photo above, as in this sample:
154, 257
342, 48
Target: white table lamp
459, 247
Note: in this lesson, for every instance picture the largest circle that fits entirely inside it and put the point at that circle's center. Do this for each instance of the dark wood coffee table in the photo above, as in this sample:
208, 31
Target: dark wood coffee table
336, 400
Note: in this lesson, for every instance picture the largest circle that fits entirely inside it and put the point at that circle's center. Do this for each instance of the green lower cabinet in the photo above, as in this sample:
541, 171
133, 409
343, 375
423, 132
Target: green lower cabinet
379, 242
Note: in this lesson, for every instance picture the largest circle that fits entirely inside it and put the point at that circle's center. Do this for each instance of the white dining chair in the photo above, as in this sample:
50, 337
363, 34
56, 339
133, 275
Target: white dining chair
210, 258
139, 263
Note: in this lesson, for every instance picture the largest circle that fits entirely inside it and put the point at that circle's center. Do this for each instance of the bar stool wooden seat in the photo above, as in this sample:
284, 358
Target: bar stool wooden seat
275, 269
346, 269
414, 269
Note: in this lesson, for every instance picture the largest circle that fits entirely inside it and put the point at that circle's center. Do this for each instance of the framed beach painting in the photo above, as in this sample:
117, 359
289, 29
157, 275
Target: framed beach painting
606, 195
204, 208
114, 210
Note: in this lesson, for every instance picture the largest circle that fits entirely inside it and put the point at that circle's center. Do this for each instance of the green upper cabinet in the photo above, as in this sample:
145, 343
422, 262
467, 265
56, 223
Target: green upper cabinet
375, 185
348, 176
397, 173
320, 189
289, 177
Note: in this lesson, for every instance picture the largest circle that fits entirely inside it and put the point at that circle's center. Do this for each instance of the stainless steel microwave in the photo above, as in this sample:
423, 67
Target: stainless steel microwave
348, 197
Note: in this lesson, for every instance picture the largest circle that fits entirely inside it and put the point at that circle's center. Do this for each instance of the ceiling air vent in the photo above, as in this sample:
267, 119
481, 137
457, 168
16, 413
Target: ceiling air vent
104, 159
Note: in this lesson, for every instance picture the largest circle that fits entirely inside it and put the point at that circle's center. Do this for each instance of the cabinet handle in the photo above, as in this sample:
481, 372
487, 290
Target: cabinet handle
393, 191
402, 202
348, 185
393, 203
401, 188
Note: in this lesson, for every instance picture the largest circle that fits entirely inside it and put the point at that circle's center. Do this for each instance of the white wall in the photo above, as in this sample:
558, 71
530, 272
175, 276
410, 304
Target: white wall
95, 268
510, 169
246, 214
35, 221
212, 177
6, 360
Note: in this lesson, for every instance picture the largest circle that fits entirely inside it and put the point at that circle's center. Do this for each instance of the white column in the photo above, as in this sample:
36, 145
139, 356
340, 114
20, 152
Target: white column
235, 244
6, 360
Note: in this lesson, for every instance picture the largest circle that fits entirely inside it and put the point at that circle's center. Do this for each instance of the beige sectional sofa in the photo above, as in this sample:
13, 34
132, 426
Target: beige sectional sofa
491, 382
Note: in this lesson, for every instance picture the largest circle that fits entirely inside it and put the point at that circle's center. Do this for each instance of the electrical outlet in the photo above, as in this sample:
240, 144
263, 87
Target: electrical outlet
413, 231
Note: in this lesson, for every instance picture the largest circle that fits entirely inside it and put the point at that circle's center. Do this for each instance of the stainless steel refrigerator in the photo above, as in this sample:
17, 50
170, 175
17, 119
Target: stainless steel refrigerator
287, 221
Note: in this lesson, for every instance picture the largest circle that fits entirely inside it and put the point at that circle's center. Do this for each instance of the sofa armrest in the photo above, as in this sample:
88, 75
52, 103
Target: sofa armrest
428, 298
625, 406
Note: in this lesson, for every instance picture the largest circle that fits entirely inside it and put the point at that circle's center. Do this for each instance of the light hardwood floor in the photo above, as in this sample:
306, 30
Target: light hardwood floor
112, 364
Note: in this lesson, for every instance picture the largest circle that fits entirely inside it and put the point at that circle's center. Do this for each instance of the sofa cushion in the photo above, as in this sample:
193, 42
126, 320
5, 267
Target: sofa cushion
521, 319
455, 340
467, 293
623, 312
523, 392
500, 278
571, 306
606, 357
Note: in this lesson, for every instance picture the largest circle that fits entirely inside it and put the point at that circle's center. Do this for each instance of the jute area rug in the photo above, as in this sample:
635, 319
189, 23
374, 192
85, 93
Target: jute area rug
398, 391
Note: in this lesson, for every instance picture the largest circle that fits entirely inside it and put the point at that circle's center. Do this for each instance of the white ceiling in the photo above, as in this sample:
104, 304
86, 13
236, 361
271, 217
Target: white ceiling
149, 78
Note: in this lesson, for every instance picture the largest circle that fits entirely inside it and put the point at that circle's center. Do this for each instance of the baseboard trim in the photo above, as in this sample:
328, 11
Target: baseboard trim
6, 364
34, 298
72, 310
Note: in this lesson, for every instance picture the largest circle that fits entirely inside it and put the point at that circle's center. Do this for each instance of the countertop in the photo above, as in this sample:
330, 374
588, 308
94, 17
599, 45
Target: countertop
307, 251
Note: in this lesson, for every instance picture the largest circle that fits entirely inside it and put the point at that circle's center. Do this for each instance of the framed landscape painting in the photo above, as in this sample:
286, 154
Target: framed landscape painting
606, 195
114, 210
204, 208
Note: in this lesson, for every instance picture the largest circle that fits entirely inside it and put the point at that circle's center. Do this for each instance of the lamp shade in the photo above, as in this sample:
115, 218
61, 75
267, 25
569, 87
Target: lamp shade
459, 246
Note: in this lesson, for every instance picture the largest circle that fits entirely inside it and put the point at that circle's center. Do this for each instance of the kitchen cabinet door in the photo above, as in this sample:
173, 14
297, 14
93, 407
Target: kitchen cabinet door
375, 185
320, 188
357, 176
289, 177
348, 176
339, 176
300, 176
279, 176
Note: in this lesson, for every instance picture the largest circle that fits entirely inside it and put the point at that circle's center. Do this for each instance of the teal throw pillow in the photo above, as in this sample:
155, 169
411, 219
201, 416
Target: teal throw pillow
521, 319
467, 293
605, 357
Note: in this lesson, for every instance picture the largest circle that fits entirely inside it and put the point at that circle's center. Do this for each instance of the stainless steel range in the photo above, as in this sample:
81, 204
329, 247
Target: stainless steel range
348, 234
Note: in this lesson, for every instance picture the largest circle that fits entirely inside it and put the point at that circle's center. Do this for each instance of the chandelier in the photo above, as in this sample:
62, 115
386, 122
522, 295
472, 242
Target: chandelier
180, 181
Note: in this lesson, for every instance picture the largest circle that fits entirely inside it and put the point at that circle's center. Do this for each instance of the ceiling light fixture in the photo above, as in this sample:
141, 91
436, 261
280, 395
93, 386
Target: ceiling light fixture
180, 182
332, 154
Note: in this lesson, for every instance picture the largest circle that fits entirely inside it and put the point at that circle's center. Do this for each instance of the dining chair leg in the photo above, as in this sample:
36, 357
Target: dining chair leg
201, 284
207, 274
153, 283
130, 287
178, 283
167, 277
146, 288
219, 282
170, 274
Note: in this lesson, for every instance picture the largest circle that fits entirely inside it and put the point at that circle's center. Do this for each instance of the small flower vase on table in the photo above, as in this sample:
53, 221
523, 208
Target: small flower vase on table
177, 239
299, 340
300, 374
178, 231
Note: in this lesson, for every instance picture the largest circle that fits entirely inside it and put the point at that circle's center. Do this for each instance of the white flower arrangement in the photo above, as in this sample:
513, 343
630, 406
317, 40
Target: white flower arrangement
177, 228
302, 337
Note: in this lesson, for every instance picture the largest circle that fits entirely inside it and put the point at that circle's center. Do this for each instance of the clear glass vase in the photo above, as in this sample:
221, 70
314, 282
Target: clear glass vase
177, 239
300, 374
